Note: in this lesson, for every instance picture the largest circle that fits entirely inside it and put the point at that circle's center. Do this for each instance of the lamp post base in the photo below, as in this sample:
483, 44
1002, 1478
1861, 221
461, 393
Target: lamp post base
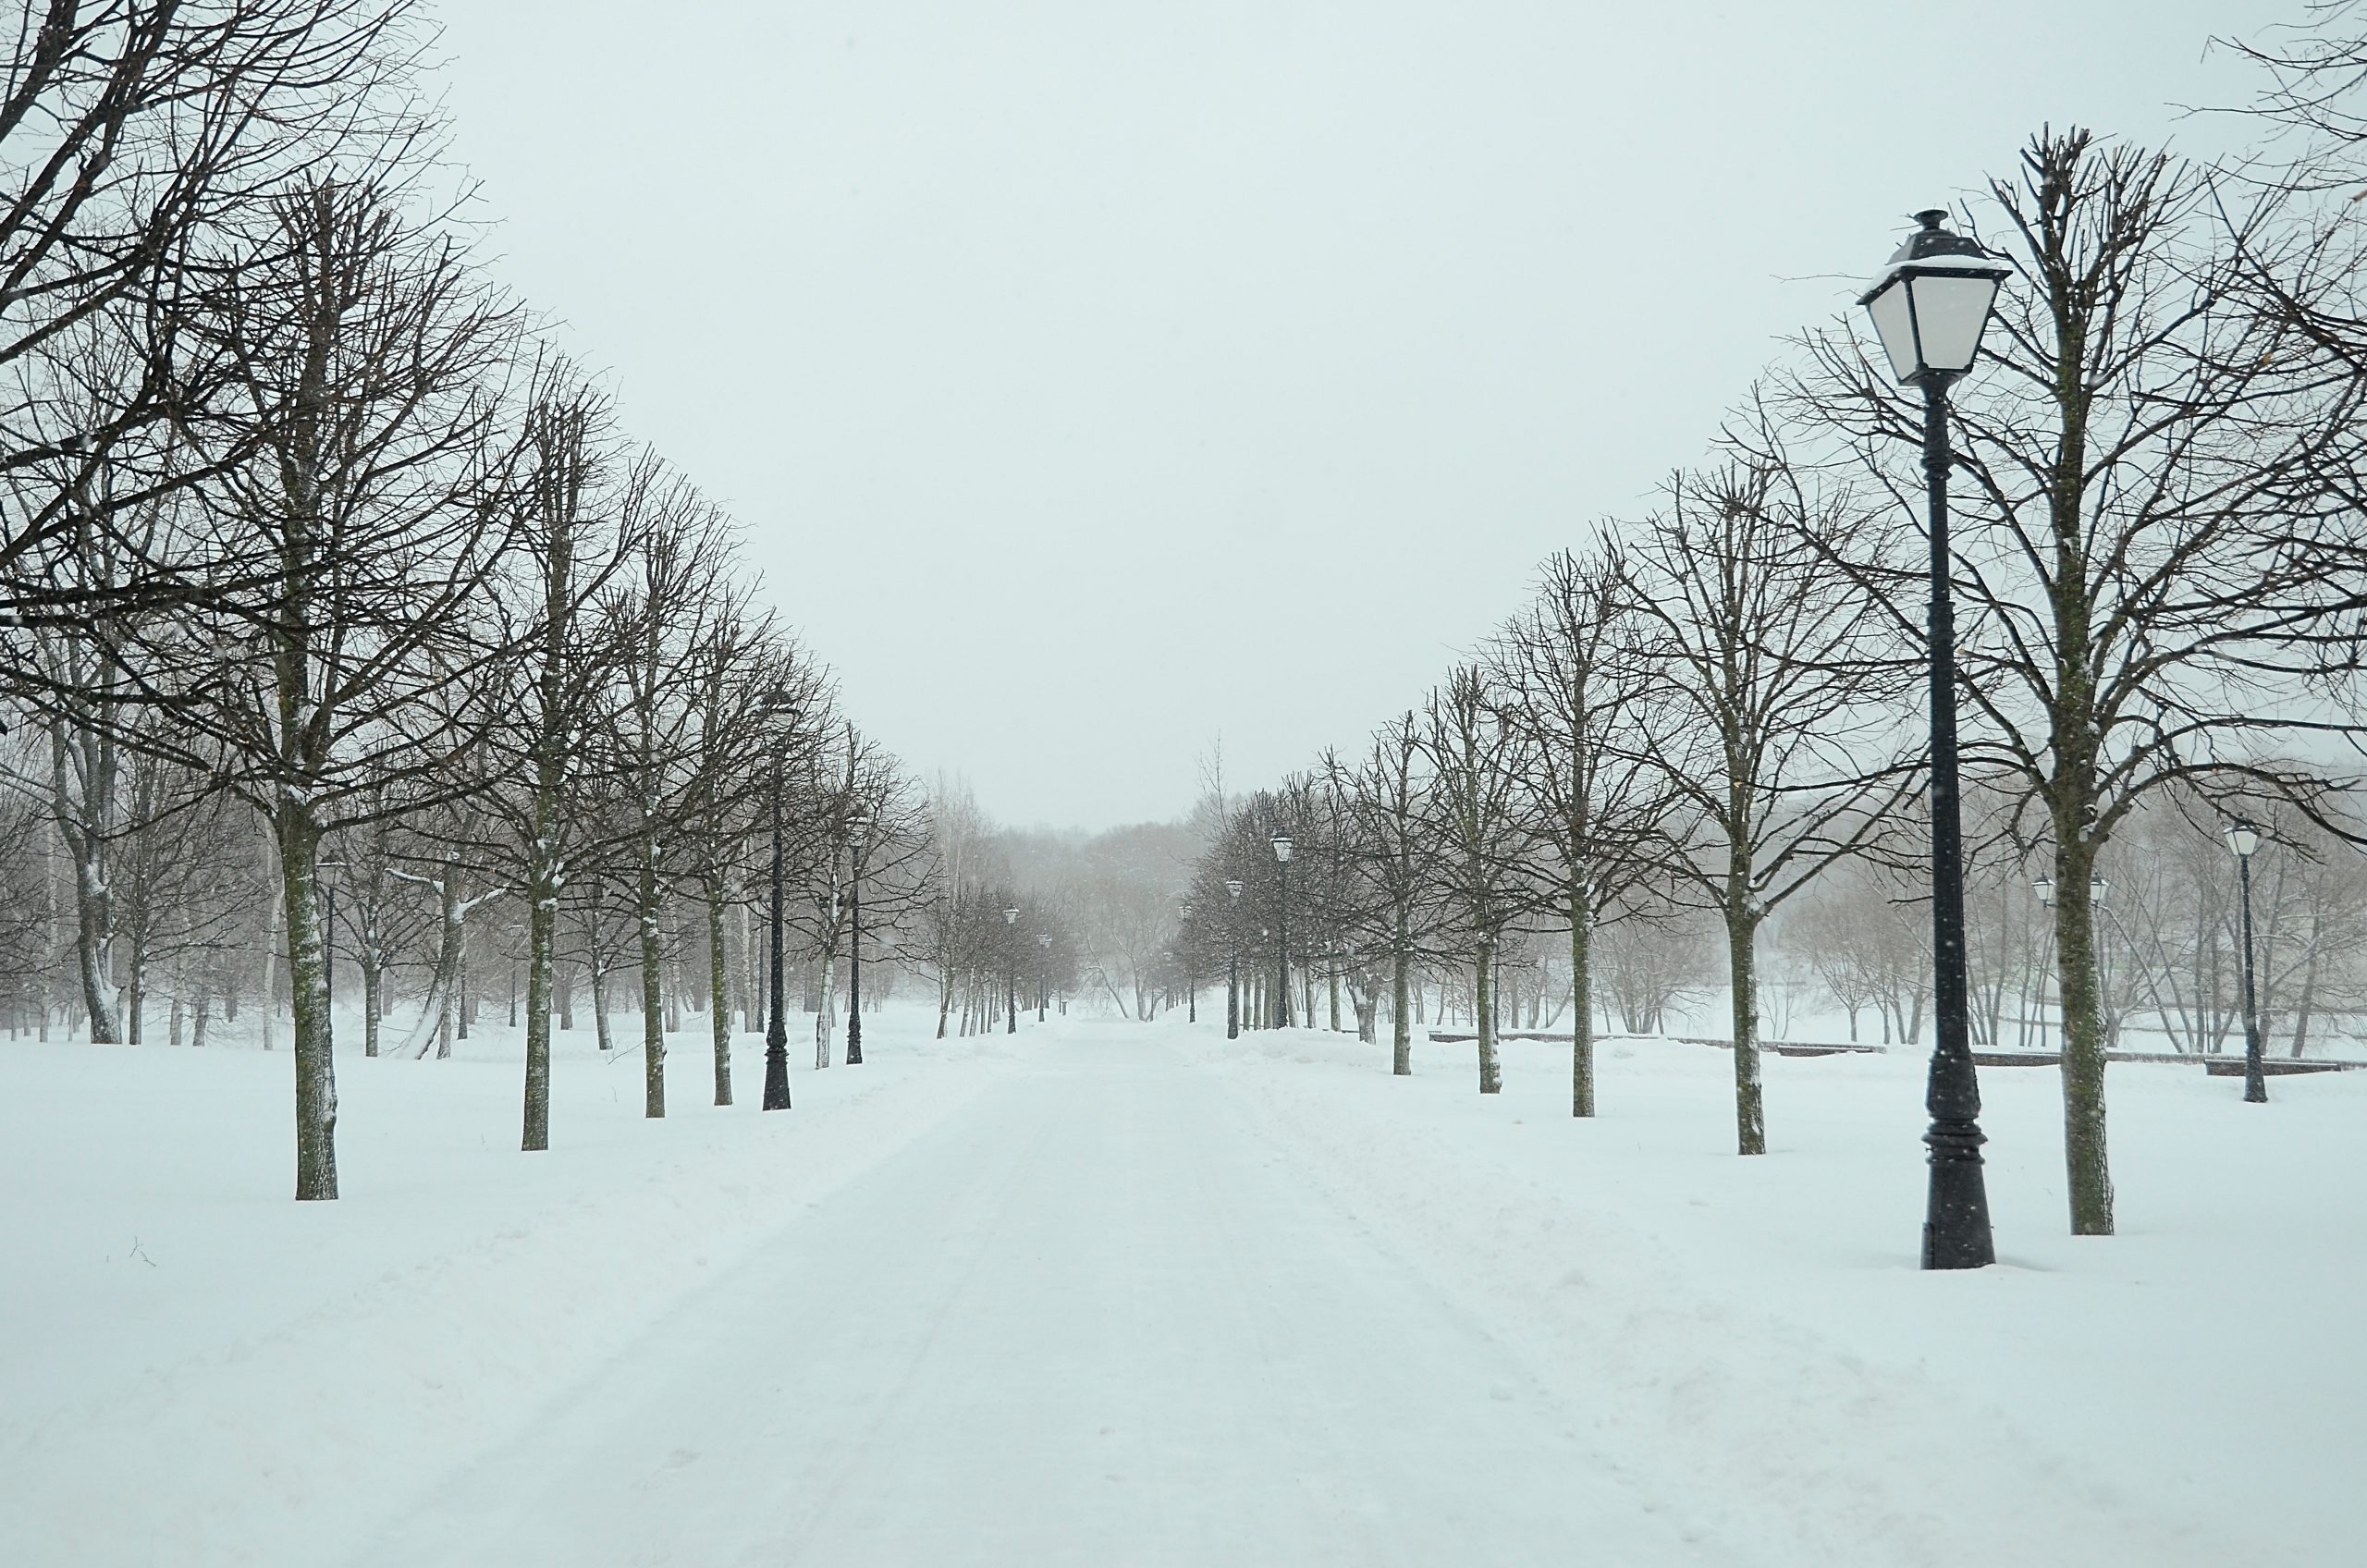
777, 1074
1955, 1223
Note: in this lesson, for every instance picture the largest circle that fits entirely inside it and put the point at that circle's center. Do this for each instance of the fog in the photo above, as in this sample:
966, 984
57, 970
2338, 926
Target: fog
1096, 380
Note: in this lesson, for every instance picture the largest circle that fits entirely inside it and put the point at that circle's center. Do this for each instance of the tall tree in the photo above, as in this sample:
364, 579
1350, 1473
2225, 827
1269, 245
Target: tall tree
1773, 674
1477, 760
2156, 547
1583, 697
363, 352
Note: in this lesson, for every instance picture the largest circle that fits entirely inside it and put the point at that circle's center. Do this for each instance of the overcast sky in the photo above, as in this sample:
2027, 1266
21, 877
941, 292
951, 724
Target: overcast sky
1096, 377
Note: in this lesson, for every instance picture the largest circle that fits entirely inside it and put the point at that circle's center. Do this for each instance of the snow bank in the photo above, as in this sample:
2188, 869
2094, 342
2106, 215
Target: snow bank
198, 1369
1754, 1338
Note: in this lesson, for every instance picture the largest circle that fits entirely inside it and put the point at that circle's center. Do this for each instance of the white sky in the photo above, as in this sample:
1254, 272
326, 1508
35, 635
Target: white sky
1094, 376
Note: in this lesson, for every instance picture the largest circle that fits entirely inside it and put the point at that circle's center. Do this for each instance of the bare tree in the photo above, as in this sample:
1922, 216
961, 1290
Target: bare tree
2154, 569
1583, 696
1478, 761
1773, 673
364, 350
132, 133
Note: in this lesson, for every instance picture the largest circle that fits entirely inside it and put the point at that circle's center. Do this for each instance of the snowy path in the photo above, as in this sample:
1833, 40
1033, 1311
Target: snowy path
1091, 1318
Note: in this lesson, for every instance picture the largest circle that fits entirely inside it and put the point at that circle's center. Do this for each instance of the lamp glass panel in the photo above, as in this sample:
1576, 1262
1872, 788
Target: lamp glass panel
1895, 326
1949, 314
2243, 838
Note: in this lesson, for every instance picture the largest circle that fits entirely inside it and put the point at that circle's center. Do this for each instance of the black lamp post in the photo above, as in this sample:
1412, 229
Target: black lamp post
1043, 973
1011, 1002
858, 827
1283, 924
1928, 307
2244, 837
776, 1025
1232, 965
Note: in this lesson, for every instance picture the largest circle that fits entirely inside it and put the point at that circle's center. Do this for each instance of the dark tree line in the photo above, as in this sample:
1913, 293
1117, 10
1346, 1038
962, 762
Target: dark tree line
349, 626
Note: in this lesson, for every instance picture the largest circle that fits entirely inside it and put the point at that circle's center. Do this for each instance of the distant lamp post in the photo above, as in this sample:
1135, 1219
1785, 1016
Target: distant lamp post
1928, 307
858, 834
2244, 838
1282, 923
1232, 964
2044, 886
1191, 979
780, 709
1043, 973
1011, 1002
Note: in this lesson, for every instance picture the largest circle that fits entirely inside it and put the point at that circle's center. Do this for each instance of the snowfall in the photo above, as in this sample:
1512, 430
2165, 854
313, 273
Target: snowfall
1105, 1292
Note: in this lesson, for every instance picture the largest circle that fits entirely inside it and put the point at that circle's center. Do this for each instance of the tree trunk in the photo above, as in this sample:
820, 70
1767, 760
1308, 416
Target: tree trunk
2309, 994
450, 961
825, 1009
1742, 961
299, 842
135, 991
1483, 1012
600, 1002
718, 1006
84, 817
373, 978
2087, 1166
542, 943
1401, 1023
1581, 1012
653, 1001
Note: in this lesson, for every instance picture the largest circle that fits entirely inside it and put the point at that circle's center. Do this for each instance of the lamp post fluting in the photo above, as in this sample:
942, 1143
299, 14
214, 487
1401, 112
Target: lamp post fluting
1232, 963
1011, 1002
858, 828
1283, 930
775, 1026
2244, 838
1928, 307
1043, 973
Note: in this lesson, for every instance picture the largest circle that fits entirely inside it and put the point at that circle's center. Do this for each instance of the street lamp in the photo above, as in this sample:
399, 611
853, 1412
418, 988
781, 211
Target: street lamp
1282, 921
2044, 886
858, 828
1190, 980
1010, 1003
1043, 973
1232, 964
1928, 307
778, 707
2244, 837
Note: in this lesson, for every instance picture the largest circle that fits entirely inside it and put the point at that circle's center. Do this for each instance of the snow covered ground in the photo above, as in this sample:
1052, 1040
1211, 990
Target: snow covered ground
1116, 1293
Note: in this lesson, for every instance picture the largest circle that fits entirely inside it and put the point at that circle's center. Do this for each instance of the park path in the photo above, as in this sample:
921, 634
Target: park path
1090, 1319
